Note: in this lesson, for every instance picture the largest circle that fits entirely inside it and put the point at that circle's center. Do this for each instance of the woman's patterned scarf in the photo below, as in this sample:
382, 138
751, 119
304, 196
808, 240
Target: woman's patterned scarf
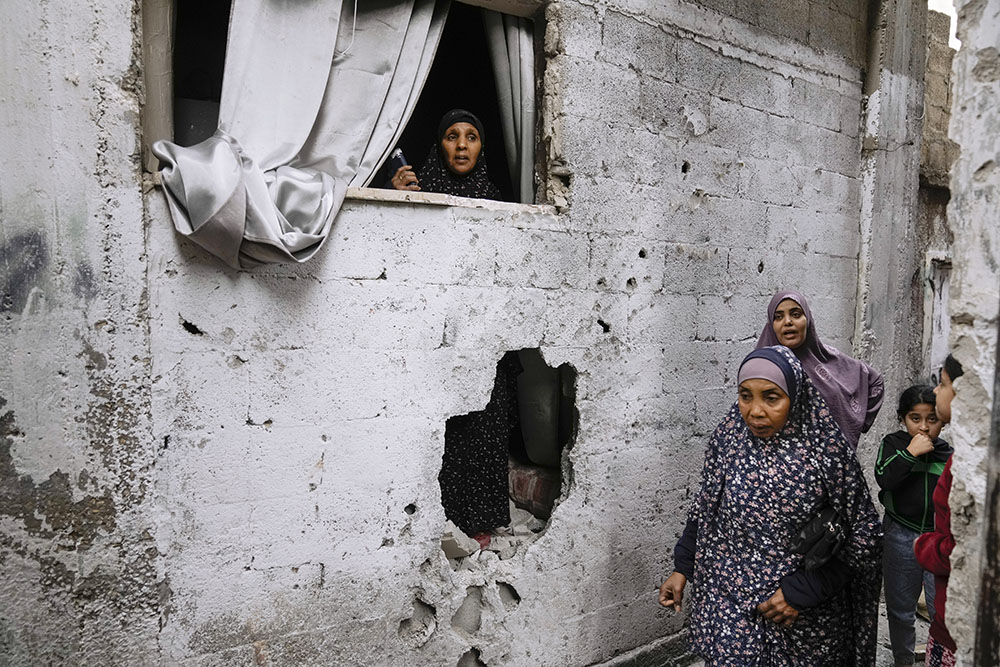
810, 458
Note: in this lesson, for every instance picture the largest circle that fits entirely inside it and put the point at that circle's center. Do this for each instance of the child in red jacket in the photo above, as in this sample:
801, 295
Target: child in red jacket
933, 550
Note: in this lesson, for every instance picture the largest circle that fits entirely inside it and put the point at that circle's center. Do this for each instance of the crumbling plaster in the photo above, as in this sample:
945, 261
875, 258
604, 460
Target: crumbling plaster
310, 410
77, 556
272, 438
975, 299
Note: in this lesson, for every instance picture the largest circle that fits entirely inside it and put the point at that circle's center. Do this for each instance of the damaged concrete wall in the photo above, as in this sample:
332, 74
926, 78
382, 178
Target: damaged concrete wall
698, 162
274, 498
77, 556
973, 215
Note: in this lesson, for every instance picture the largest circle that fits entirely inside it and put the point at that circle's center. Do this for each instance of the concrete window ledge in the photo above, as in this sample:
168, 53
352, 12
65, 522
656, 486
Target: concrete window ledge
436, 199
407, 197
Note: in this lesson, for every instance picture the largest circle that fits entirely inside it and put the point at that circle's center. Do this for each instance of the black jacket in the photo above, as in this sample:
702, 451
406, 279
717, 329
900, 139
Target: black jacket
907, 482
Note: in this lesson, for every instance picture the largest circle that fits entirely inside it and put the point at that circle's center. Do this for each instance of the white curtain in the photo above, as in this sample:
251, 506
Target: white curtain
512, 54
315, 94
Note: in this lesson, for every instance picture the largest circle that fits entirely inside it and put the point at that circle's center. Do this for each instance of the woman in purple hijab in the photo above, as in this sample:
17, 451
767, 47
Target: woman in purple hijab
852, 389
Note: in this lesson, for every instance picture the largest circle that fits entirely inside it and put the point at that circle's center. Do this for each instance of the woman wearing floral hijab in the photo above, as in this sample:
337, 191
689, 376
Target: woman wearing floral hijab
852, 389
774, 462
456, 164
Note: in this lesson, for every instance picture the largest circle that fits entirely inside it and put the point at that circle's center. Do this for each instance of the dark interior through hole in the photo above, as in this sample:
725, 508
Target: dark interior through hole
512, 449
201, 28
461, 77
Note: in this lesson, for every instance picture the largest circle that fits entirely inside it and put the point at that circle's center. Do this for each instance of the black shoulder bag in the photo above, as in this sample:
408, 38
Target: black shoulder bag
820, 539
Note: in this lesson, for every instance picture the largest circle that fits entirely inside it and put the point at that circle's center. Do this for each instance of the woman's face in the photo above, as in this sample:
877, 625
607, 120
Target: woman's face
922, 418
764, 407
944, 392
790, 324
461, 145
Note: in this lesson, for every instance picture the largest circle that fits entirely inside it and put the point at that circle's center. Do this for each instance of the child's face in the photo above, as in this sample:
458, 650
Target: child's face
922, 419
944, 393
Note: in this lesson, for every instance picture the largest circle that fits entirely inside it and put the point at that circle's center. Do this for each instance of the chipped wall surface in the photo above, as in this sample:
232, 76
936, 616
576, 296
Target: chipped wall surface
255, 476
937, 150
77, 557
704, 163
973, 214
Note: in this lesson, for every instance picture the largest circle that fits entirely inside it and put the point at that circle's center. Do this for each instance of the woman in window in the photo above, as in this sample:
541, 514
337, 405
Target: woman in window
456, 164
773, 464
851, 388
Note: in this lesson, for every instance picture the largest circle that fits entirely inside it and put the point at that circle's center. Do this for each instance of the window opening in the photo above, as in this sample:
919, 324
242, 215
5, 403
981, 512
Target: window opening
936, 304
503, 467
461, 77
201, 28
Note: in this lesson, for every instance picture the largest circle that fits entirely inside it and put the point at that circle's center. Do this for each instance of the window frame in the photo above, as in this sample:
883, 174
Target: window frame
158, 42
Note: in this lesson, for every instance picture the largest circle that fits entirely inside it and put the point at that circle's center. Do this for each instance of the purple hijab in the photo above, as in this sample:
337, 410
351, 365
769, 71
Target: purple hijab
852, 389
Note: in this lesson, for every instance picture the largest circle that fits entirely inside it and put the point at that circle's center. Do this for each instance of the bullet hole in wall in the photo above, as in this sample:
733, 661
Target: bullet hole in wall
471, 658
631, 283
642, 253
410, 509
191, 328
686, 167
509, 453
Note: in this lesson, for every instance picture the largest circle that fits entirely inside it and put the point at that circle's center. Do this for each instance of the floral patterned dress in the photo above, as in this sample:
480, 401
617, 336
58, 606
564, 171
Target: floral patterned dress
755, 496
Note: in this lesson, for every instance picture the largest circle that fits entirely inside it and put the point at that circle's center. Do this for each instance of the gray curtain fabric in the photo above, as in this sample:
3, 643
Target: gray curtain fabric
512, 54
303, 115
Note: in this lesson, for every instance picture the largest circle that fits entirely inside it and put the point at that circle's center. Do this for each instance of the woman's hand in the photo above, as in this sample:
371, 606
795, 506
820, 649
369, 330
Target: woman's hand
778, 611
672, 591
405, 179
920, 444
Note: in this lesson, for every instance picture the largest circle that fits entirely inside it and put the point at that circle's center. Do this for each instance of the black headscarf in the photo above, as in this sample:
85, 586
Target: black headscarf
435, 176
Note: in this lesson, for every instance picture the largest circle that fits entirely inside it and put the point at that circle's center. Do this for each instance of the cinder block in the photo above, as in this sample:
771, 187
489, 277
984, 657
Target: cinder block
493, 318
834, 32
729, 318
696, 269
663, 107
626, 264
541, 258
620, 151
808, 230
572, 29
656, 318
598, 90
789, 18
582, 318
630, 42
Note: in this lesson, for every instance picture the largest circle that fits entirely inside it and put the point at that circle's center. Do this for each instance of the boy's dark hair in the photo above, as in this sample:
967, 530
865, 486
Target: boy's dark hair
953, 368
915, 395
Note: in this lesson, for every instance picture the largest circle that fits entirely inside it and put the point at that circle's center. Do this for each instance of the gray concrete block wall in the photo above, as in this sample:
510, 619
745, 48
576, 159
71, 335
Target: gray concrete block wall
261, 461
975, 285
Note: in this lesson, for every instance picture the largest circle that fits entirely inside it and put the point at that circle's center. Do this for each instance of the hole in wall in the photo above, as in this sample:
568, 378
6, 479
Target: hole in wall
685, 167
418, 628
471, 658
410, 509
508, 595
469, 615
502, 469
604, 325
760, 267
191, 328
642, 253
